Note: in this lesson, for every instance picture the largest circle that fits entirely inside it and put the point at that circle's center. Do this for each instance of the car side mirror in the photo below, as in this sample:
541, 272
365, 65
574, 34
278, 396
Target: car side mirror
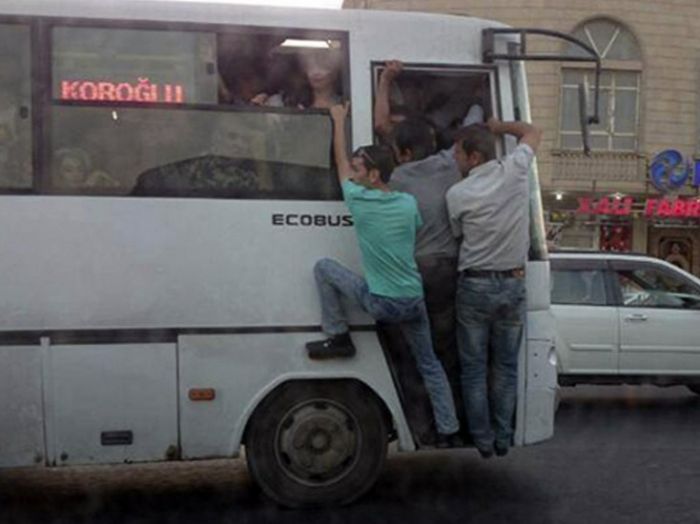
583, 117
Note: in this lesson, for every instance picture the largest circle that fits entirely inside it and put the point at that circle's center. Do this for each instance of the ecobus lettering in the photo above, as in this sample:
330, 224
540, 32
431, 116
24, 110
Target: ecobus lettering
293, 219
142, 91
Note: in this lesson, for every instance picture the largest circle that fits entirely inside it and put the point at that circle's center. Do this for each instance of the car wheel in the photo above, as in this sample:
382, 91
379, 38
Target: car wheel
317, 443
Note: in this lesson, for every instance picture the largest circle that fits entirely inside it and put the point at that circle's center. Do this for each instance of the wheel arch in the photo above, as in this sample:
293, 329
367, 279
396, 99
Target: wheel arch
394, 416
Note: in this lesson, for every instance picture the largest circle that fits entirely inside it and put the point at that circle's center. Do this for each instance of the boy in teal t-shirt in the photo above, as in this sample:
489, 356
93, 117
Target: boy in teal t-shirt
386, 222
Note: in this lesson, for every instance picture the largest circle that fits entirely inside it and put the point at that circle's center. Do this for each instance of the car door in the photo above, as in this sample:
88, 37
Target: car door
587, 318
659, 315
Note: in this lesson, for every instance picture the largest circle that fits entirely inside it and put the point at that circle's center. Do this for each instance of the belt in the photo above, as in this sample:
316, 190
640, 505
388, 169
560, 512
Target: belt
517, 272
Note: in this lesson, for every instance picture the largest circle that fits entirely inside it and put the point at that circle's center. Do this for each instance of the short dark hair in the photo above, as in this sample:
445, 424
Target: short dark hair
477, 138
416, 135
380, 158
400, 110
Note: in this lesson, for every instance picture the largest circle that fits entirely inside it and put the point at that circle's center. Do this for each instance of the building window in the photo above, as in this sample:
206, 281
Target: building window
620, 89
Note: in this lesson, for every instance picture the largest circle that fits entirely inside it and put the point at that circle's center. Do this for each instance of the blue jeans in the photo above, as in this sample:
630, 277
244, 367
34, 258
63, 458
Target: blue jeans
334, 281
490, 315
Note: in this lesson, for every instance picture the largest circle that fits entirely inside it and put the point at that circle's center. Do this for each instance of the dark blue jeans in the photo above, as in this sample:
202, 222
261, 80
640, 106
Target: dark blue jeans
490, 316
334, 281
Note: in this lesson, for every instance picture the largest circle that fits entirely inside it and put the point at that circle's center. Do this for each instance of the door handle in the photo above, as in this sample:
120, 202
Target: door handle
636, 317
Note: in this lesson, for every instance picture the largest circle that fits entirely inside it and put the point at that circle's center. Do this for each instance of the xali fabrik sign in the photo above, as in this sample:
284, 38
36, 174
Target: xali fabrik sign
653, 207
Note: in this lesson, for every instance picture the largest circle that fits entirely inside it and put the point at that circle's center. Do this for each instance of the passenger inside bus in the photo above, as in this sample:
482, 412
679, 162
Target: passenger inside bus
242, 73
318, 88
14, 169
446, 101
7, 142
247, 81
75, 170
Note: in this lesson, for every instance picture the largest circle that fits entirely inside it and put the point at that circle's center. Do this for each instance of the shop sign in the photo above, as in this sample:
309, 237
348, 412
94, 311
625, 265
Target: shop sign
669, 170
605, 206
653, 207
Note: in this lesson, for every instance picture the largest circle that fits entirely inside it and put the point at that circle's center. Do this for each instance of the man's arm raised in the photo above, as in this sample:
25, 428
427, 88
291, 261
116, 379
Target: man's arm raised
382, 109
524, 132
339, 114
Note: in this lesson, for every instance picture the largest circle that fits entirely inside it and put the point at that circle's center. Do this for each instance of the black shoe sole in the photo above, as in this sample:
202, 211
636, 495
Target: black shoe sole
328, 354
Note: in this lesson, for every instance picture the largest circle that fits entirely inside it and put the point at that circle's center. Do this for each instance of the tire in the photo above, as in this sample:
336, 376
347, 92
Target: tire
315, 444
695, 388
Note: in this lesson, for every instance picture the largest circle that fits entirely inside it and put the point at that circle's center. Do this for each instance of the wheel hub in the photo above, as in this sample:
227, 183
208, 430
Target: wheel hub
317, 442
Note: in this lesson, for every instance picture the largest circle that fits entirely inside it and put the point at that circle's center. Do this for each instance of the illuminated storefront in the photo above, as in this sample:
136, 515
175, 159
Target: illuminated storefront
665, 221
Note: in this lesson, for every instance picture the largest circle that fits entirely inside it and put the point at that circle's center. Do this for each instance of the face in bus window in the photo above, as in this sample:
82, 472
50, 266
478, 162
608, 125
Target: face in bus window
73, 166
72, 172
322, 70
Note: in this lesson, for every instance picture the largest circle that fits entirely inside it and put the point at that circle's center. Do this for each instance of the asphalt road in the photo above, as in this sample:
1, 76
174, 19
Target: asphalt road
620, 455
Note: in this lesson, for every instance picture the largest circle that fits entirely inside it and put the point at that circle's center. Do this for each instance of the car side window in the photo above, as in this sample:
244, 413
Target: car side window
651, 287
578, 287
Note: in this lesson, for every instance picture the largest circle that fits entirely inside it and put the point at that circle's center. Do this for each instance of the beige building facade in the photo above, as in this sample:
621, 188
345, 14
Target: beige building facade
650, 103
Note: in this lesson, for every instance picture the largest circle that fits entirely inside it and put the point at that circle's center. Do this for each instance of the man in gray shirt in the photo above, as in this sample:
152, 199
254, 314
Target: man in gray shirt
489, 211
436, 249
428, 180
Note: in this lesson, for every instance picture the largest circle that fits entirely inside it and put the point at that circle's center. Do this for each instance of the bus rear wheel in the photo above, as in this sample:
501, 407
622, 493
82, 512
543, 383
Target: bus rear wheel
317, 443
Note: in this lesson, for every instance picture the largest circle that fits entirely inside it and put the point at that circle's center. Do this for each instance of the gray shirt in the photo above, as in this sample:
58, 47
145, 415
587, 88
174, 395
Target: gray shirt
490, 211
428, 180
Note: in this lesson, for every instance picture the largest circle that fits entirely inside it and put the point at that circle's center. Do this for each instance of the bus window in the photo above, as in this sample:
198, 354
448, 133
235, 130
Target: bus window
162, 152
441, 95
15, 96
276, 71
161, 113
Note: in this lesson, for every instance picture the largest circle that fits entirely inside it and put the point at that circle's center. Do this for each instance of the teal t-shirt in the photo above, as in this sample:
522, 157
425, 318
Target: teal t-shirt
386, 224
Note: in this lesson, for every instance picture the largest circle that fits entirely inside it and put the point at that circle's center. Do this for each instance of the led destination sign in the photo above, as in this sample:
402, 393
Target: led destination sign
141, 91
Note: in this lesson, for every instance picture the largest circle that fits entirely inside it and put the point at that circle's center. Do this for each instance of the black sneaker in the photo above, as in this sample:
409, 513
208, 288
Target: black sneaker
338, 346
501, 451
452, 440
486, 453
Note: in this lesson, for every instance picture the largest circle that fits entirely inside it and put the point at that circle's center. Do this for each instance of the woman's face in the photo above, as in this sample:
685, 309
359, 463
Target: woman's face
321, 70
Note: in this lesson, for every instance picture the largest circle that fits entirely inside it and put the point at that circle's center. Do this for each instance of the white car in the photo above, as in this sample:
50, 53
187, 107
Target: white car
625, 318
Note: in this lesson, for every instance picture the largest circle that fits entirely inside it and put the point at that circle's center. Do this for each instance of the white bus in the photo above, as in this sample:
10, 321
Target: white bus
159, 234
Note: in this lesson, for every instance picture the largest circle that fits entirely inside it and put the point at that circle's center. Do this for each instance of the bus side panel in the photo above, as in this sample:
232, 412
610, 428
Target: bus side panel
540, 379
537, 377
103, 396
21, 418
244, 368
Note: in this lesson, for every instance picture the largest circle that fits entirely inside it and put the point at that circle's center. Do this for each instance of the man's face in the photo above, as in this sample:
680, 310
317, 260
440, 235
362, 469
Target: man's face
465, 162
361, 175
